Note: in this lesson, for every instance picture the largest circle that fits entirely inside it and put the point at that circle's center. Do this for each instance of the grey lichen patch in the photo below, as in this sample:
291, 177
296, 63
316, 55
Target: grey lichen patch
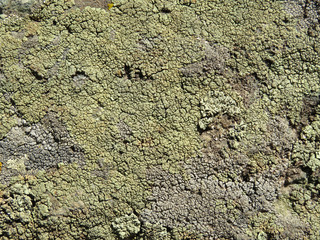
305, 13
27, 148
289, 218
20, 7
248, 173
214, 60
210, 203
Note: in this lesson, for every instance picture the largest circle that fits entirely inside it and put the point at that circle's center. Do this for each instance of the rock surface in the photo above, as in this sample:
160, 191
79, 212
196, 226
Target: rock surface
159, 119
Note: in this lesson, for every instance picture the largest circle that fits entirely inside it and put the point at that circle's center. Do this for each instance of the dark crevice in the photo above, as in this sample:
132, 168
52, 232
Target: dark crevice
169, 229
268, 62
127, 70
136, 73
245, 175
200, 130
79, 73
285, 20
69, 29
11, 195
33, 201
36, 74
16, 111
165, 10
310, 174
305, 9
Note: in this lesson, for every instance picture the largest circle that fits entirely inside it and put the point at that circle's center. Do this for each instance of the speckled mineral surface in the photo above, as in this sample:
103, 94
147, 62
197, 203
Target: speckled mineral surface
159, 119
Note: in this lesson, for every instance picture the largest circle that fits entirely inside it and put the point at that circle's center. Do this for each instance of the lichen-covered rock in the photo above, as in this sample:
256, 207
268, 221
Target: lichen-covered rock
159, 120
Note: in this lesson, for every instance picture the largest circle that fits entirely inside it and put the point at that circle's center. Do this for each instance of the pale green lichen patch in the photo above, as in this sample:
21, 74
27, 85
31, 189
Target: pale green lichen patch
126, 226
216, 103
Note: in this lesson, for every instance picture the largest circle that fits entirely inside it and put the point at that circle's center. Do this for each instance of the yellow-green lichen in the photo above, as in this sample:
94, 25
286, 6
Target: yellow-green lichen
137, 88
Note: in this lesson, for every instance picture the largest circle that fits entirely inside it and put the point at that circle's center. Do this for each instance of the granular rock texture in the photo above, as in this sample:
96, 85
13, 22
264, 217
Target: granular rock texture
152, 119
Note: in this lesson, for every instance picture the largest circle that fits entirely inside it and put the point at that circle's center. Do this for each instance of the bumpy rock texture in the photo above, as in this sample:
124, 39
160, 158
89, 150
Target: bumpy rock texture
159, 119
